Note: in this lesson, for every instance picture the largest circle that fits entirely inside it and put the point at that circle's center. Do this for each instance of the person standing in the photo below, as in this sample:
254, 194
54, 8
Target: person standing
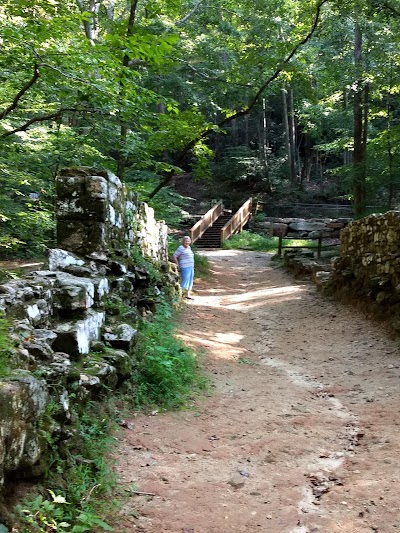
184, 258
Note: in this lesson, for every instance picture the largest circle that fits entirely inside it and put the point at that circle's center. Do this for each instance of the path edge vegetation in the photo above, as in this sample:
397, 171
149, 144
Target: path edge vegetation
79, 491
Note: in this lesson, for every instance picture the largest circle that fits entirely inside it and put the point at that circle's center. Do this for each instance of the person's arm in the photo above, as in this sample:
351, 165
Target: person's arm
175, 256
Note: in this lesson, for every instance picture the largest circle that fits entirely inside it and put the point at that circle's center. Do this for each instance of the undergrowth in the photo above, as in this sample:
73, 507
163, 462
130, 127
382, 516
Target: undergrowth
247, 240
6, 347
252, 241
168, 371
201, 266
78, 484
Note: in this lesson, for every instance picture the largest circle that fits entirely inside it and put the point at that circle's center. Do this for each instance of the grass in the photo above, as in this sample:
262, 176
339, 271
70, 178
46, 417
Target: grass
6, 347
78, 486
168, 372
201, 266
247, 240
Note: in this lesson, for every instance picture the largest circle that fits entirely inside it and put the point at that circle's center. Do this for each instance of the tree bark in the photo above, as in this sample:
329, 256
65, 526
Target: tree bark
91, 27
288, 137
359, 135
292, 132
263, 141
122, 159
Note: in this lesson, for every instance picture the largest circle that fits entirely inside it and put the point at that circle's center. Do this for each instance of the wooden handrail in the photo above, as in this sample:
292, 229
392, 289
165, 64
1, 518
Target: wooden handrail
206, 221
237, 222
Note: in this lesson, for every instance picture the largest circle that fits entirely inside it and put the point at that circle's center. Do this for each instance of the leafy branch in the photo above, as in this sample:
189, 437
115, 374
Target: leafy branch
20, 94
242, 112
43, 118
212, 78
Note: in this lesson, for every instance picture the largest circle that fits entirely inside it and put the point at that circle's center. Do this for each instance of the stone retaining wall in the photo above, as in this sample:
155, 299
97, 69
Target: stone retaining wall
96, 214
367, 272
74, 324
301, 228
369, 263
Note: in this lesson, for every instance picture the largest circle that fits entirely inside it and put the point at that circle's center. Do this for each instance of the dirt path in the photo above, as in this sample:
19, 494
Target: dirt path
301, 432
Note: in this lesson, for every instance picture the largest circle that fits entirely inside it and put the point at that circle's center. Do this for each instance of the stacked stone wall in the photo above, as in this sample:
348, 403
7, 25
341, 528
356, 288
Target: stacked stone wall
110, 271
369, 263
301, 228
96, 213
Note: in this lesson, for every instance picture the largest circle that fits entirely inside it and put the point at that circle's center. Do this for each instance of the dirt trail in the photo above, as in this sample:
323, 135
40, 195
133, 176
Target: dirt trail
301, 431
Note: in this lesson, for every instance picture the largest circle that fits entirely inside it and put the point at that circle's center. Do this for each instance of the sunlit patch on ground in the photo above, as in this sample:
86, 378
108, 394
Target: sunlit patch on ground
248, 299
224, 345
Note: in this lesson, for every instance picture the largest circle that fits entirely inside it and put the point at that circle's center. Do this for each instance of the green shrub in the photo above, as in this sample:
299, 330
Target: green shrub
252, 241
6, 347
201, 266
53, 515
80, 484
168, 372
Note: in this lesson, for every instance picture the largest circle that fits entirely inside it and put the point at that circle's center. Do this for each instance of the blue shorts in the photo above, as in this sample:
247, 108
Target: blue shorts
187, 275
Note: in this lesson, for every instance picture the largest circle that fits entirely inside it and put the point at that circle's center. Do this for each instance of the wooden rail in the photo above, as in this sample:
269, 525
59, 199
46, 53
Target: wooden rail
237, 222
206, 221
319, 246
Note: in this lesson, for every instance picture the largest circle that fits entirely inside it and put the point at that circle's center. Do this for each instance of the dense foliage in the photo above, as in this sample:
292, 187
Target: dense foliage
290, 97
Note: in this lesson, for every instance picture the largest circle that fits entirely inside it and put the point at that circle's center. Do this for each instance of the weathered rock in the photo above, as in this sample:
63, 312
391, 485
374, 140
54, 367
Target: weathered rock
45, 335
61, 311
74, 338
60, 259
123, 336
72, 293
121, 361
104, 373
237, 481
307, 226
23, 400
40, 350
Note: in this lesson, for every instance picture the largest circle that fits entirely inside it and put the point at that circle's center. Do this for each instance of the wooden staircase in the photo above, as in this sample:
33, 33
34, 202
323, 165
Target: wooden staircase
215, 226
211, 238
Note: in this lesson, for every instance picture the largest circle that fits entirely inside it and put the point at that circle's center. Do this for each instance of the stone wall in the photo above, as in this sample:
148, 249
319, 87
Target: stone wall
369, 264
74, 324
96, 214
301, 228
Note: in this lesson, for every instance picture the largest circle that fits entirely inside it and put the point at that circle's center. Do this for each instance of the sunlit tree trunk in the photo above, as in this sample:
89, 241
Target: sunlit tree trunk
390, 150
293, 135
288, 137
91, 25
263, 142
360, 130
308, 157
122, 159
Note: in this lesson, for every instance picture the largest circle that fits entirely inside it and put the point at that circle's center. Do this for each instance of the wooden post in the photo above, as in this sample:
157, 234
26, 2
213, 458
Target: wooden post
319, 245
280, 245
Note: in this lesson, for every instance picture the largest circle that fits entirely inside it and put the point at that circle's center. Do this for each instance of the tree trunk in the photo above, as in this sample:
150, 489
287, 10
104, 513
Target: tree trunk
246, 130
288, 137
346, 154
91, 26
234, 133
122, 159
293, 139
360, 135
390, 153
264, 148
307, 161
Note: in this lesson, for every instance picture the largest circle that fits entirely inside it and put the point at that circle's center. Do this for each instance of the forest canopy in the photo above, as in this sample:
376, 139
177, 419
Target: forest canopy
273, 98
